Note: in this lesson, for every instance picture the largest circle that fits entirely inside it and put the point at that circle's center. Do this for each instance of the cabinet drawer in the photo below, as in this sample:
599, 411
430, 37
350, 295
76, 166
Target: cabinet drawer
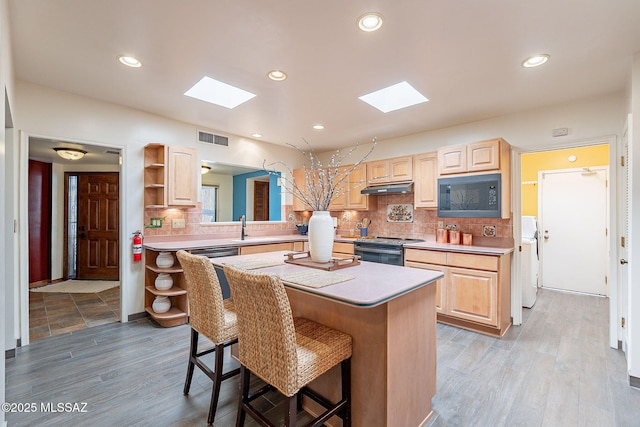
431, 257
258, 249
478, 262
343, 248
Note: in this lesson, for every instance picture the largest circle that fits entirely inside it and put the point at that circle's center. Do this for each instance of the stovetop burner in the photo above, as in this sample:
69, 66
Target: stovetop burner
387, 240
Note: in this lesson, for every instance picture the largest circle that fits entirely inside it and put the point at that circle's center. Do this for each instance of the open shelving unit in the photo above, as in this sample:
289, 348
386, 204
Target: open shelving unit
178, 314
155, 176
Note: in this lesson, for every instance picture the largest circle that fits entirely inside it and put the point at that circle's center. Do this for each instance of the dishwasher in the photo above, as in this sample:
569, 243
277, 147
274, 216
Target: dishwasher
217, 253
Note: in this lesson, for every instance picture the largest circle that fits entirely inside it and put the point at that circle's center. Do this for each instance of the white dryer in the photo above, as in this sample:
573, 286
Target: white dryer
530, 262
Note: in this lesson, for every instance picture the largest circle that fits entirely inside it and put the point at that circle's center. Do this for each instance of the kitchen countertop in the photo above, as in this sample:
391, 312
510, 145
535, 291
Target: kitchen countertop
374, 283
175, 243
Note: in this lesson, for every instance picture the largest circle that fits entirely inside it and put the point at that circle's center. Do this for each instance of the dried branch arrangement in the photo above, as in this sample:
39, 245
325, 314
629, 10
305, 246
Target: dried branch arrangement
323, 183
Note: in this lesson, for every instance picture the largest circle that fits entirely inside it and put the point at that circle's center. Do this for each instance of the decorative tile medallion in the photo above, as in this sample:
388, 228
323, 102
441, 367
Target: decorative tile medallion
489, 230
400, 213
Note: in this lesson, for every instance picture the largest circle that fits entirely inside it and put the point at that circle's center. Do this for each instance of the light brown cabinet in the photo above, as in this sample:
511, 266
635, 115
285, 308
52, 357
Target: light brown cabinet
397, 169
350, 197
425, 174
342, 249
475, 292
170, 176
474, 157
178, 314
270, 247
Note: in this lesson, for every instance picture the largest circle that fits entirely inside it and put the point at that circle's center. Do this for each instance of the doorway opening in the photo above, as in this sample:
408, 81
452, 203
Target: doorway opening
83, 255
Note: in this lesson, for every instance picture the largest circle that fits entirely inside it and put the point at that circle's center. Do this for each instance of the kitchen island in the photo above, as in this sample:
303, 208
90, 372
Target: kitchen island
390, 313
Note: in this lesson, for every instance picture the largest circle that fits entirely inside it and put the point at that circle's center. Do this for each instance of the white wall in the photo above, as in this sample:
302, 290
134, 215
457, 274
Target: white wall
586, 119
49, 113
225, 194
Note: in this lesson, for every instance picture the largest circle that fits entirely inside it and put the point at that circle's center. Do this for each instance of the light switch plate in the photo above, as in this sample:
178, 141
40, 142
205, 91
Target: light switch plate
177, 223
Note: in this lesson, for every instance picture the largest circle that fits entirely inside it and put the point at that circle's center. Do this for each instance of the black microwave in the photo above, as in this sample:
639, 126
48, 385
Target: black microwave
473, 196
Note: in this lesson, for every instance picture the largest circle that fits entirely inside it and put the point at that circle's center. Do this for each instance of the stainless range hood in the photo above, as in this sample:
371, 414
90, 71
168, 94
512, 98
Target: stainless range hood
404, 187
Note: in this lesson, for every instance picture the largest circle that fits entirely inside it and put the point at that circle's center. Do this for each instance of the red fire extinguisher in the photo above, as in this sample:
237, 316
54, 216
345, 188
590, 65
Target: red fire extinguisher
137, 246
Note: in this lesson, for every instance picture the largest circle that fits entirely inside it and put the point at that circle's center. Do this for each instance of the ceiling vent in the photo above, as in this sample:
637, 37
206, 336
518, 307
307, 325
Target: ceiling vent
209, 138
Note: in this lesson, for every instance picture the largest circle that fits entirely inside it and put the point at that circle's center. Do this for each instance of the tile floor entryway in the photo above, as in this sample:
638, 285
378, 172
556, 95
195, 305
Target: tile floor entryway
58, 313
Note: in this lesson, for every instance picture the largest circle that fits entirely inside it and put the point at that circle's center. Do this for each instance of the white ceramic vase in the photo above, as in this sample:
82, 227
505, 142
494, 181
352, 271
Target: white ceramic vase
161, 304
321, 236
164, 260
163, 282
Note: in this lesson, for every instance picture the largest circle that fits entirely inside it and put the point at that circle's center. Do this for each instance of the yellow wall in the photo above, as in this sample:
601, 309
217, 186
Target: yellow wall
595, 155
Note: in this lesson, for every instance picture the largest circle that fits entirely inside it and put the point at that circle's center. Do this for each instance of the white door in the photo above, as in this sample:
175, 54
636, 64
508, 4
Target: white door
573, 217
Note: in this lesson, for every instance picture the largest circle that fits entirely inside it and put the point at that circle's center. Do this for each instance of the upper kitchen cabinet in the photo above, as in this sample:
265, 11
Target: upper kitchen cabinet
397, 169
170, 176
479, 156
300, 179
350, 197
425, 176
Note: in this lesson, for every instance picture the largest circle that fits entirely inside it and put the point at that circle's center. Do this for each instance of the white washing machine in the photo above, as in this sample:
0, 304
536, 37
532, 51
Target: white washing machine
530, 262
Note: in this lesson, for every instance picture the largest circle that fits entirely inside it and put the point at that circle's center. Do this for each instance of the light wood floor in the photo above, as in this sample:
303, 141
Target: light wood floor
555, 370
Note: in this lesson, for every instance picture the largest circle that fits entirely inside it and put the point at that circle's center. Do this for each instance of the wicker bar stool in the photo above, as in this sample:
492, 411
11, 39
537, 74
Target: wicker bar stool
210, 316
287, 353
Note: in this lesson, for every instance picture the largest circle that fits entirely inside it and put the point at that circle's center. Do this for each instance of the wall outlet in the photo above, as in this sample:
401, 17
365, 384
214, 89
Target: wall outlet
451, 226
440, 224
177, 223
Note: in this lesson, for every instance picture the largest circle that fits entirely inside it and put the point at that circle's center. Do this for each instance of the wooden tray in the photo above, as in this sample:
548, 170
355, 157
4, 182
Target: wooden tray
304, 259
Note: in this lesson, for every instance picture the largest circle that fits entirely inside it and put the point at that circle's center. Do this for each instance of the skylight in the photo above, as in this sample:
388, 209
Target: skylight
394, 97
219, 93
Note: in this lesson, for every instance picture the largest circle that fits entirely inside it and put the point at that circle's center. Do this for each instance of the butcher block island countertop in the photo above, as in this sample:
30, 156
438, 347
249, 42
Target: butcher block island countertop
390, 313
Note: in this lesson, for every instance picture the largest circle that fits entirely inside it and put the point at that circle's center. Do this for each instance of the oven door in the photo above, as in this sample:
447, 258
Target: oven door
380, 254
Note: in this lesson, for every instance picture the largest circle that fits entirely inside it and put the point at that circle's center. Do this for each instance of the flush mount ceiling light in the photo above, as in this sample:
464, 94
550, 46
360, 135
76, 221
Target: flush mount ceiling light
277, 75
204, 169
395, 97
371, 21
218, 93
130, 61
256, 135
318, 127
535, 60
70, 153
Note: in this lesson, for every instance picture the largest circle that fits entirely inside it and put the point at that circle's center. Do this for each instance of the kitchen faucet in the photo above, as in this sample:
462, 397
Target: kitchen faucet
243, 221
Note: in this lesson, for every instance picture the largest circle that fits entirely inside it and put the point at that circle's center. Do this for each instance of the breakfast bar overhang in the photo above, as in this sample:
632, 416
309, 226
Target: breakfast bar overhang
390, 313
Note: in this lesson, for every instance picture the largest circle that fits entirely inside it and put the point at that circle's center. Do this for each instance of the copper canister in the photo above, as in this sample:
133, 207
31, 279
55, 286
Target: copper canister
442, 235
467, 239
454, 237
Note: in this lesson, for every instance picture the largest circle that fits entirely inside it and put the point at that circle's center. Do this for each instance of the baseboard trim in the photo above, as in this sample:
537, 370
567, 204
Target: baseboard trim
10, 354
136, 316
634, 381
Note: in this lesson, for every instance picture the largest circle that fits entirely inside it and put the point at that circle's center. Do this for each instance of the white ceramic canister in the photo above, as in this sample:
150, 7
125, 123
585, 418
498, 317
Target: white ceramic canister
163, 282
164, 260
161, 304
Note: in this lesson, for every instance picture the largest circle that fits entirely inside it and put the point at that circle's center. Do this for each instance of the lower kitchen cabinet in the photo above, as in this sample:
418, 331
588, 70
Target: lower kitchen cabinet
271, 247
178, 314
475, 292
342, 250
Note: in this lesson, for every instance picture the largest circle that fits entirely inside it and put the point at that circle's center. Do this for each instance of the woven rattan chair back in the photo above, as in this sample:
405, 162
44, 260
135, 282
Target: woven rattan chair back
206, 313
266, 333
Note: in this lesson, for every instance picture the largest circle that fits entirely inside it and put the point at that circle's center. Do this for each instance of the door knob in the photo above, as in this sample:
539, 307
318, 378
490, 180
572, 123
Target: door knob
624, 261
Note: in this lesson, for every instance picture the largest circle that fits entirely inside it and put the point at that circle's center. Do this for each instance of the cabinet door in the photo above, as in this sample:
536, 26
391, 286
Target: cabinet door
401, 169
340, 203
378, 172
441, 284
258, 249
357, 181
300, 180
483, 155
452, 159
183, 176
473, 295
426, 180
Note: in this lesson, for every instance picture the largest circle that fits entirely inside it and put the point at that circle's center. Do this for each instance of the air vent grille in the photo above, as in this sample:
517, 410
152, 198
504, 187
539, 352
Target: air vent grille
209, 138
112, 152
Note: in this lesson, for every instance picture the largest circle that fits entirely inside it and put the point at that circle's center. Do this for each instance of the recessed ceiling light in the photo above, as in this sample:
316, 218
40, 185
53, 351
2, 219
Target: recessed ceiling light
318, 126
535, 60
371, 21
277, 75
395, 97
219, 93
129, 61
256, 135
70, 153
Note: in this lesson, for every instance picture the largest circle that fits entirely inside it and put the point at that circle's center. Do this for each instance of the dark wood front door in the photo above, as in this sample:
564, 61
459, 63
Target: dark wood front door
261, 201
98, 226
